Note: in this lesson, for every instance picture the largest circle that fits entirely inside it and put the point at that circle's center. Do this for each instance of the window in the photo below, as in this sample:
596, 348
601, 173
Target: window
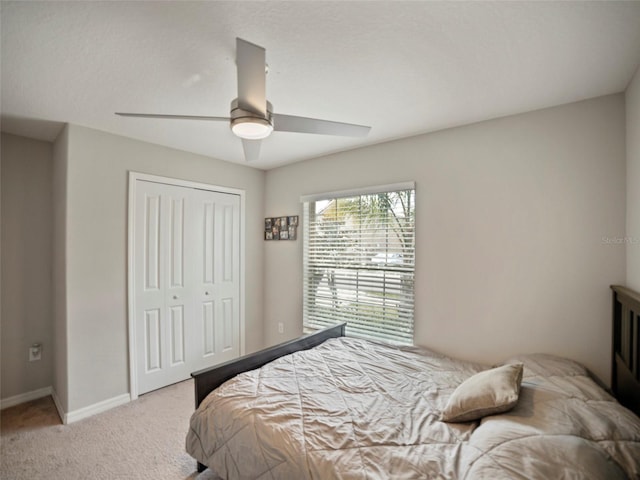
359, 262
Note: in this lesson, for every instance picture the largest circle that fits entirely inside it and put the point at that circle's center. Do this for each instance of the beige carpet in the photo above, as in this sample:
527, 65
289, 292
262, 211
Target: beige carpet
142, 439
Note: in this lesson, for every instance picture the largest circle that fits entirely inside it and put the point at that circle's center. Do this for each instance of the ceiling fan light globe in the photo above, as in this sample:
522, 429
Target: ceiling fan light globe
251, 128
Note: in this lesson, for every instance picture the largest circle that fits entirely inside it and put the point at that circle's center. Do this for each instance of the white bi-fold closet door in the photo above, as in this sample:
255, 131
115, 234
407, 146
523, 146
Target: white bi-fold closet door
186, 274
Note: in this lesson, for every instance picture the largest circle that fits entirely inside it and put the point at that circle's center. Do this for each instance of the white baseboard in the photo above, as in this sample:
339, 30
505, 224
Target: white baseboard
96, 408
69, 417
58, 405
24, 397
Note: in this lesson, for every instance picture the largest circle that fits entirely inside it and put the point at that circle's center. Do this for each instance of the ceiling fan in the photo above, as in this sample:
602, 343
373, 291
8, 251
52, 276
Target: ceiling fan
252, 117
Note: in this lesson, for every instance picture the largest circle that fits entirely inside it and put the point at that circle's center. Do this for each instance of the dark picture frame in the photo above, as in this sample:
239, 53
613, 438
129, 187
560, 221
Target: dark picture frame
281, 228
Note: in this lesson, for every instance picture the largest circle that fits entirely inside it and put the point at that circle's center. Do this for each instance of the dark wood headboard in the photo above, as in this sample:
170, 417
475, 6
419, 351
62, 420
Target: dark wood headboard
625, 347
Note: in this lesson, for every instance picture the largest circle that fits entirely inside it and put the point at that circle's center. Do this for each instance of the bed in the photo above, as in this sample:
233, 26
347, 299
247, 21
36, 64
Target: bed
329, 406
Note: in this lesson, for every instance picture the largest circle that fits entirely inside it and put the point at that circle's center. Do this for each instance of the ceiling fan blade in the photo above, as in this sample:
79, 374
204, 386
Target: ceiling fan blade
251, 149
290, 123
174, 117
252, 77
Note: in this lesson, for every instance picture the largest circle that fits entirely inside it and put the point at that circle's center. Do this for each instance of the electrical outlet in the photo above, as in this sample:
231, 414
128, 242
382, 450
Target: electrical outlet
280, 327
35, 353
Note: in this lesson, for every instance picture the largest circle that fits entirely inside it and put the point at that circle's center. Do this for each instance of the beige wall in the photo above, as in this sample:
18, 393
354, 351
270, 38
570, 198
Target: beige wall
511, 218
59, 287
632, 238
26, 264
96, 251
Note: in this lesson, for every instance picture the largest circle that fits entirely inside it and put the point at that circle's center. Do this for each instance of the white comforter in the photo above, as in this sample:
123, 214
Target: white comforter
356, 409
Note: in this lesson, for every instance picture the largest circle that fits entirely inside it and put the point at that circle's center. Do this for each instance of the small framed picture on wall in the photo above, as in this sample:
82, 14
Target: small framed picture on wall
281, 228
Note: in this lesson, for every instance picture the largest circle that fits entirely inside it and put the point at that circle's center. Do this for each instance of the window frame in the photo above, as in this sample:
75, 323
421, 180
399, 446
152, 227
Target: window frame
400, 330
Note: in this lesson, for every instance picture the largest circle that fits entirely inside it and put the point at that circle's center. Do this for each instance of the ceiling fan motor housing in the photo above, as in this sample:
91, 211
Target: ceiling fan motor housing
250, 124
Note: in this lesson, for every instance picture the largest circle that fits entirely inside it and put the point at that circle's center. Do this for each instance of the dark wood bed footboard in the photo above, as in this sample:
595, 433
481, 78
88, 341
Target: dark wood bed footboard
625, 348
209, 379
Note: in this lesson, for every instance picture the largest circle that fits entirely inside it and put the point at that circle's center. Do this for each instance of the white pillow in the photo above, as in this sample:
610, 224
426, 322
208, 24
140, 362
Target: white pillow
544, 365
486, 393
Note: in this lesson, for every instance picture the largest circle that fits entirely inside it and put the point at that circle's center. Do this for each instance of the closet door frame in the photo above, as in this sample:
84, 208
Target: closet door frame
134, 178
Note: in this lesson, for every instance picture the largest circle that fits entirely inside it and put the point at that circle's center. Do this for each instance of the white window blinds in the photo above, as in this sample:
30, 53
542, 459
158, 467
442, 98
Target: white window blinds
359, 263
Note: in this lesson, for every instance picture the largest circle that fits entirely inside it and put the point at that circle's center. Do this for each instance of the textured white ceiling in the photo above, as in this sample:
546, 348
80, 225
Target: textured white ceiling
402, 67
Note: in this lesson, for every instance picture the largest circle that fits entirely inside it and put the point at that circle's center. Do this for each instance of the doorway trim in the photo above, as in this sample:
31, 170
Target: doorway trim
134, 177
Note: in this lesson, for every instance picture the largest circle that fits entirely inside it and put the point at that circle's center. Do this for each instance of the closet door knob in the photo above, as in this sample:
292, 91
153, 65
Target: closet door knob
175, 297
206, 293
